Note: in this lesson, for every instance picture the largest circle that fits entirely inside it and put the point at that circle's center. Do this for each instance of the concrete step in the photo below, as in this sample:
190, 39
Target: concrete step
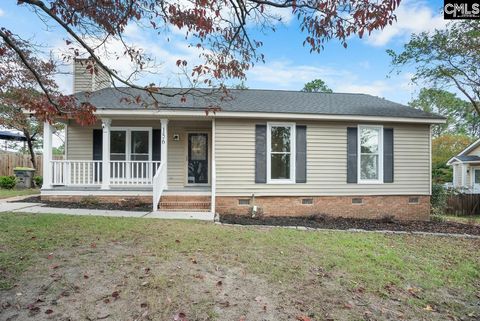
178, 215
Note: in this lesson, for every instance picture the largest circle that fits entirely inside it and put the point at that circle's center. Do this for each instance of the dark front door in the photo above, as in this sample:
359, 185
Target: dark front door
197, 162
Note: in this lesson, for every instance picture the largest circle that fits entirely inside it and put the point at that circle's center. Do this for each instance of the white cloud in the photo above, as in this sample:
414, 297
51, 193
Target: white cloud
412, 17
2, 12
375, 88
284, 74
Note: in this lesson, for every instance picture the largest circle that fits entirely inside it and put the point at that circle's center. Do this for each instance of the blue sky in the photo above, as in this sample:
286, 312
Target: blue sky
362, 67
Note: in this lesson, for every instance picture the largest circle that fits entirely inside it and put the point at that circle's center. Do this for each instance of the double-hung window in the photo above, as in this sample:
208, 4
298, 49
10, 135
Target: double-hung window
370, 151
281, 153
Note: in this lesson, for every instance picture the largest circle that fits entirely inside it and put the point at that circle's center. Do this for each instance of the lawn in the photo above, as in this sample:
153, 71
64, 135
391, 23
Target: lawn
6, 193
473, 219
55, 266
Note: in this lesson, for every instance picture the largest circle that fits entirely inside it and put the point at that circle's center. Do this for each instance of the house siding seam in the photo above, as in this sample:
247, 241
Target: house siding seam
326, 161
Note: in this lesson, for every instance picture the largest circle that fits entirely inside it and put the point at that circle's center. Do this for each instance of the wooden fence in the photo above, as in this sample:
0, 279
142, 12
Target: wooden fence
8, 161
463, 204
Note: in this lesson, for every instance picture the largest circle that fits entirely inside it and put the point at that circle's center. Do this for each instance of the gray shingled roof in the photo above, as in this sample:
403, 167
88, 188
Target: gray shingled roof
469, 158
256, 100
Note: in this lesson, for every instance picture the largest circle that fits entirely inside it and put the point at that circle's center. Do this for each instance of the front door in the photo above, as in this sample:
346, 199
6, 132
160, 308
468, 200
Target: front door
197, 158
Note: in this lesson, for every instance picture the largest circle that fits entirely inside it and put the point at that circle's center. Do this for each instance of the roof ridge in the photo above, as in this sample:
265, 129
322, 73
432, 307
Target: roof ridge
254, 89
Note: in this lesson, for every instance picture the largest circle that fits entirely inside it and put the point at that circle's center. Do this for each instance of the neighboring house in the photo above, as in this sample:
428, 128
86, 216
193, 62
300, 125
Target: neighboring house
284, 152
466, 169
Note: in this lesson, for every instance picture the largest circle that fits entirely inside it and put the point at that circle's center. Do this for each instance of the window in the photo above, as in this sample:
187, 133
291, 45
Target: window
118, 150
130, 144
244, 201
281, 153
370, 151
140, 145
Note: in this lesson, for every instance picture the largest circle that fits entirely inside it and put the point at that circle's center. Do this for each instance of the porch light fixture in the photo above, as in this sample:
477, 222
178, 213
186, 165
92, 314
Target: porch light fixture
176, 137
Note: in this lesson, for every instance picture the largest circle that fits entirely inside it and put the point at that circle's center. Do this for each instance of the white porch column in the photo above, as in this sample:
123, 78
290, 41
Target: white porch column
47, 156
164, 148
106, 122
464, 176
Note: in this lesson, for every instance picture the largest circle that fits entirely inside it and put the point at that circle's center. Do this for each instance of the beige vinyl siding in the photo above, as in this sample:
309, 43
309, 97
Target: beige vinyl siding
475, 152
457, 175
177, 150
326, 161
83, 80
80, 143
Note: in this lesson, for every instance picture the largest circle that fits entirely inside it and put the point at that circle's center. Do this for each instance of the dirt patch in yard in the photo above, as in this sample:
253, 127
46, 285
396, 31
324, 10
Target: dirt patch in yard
122, 281
92, 204
326, 222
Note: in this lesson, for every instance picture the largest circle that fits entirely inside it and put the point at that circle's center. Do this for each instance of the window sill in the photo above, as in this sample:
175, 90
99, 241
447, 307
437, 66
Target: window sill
369, 182
279, 182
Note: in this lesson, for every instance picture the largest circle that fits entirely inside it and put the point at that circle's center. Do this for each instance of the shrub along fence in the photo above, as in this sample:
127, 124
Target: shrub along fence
8, 161
463, 204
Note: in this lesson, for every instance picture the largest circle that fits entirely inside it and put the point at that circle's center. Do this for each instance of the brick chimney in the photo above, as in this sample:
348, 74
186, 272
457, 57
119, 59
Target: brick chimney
84, 80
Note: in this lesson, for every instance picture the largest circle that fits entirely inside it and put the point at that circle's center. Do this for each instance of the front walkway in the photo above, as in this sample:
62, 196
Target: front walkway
38, 208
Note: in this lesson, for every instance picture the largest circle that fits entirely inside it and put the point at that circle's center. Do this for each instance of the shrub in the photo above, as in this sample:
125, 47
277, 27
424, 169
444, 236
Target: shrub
437, 218
7, 182
38, 181
438, 199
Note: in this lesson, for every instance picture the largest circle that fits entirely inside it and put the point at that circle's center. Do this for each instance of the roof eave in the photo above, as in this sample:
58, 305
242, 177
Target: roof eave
229, 114
470, 147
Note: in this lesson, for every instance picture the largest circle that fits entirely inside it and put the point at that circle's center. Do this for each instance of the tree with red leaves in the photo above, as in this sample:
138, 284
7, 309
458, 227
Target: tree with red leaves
221, 30
18, 93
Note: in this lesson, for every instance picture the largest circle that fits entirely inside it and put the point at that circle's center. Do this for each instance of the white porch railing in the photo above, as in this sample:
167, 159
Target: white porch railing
159, 184
133, 172
78, 172
89, 172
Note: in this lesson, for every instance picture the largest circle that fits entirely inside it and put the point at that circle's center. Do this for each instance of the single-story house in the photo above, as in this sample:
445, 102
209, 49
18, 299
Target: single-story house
466, 169
266, 151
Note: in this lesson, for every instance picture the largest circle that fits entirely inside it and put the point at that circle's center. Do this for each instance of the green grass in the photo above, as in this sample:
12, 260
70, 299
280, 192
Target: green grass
473, 219
6, 193
280, 255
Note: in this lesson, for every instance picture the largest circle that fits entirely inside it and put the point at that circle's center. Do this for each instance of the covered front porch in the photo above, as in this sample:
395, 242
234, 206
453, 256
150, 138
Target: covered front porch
466, 173
139, 157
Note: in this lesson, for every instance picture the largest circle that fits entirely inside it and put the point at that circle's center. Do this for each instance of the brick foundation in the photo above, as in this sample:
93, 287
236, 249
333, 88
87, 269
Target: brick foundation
336, 206
97, 198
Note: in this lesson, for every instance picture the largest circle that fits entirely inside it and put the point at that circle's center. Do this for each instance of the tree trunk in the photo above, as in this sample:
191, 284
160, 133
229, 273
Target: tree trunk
30, 150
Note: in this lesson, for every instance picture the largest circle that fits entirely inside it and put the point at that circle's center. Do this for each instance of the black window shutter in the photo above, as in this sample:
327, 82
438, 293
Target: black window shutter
301, 154
97, 144
261, 153
352, 155
388, 155
156, 140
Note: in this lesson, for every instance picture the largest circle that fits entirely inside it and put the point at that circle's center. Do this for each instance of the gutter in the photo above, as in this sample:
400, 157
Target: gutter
256, 115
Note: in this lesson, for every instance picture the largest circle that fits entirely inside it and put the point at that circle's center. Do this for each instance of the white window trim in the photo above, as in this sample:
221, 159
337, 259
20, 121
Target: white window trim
292, 153
128, 137
380, 155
